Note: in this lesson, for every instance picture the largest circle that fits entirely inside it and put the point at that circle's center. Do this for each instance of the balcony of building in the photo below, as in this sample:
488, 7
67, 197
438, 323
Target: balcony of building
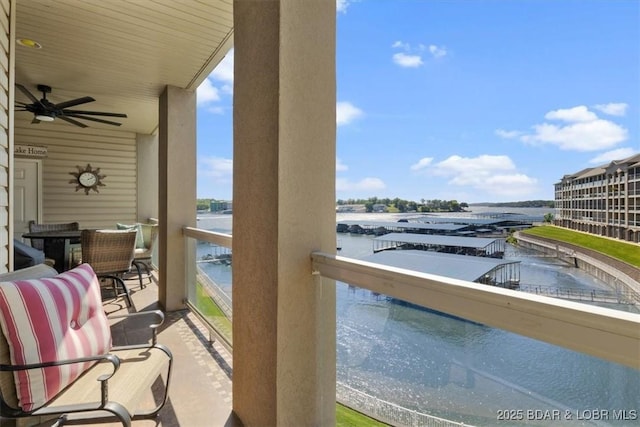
148, 61
202, 382
201, 392
201, 339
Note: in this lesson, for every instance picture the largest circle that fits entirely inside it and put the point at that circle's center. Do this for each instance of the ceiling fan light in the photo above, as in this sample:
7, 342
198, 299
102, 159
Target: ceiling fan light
29, 43
44, 118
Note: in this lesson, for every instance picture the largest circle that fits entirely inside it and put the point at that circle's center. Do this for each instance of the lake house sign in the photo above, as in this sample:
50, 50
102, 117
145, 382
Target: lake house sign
33, 151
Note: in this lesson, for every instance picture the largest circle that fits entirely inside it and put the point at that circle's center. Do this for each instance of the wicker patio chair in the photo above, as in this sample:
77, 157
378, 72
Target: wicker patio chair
110, 254
39, 243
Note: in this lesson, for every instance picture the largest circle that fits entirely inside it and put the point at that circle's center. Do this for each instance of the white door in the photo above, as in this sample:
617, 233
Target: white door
27, 195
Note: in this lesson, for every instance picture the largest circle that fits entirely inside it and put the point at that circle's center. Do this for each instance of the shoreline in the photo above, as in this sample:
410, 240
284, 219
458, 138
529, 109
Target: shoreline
601, 266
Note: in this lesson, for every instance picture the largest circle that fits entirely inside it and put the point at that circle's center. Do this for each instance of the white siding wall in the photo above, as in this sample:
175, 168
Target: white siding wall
5, 74
113, 151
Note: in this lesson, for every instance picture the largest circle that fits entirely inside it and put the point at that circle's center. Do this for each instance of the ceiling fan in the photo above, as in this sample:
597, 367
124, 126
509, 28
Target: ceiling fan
45, 111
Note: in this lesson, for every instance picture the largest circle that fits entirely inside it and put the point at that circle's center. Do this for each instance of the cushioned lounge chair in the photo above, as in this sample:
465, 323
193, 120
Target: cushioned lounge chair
99, 380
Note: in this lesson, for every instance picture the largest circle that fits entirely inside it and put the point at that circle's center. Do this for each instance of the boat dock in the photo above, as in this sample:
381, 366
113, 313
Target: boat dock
380, 228
493, 224
459, 245
488, 271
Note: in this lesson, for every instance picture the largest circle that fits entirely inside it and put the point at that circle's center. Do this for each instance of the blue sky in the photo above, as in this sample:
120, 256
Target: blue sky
472, 100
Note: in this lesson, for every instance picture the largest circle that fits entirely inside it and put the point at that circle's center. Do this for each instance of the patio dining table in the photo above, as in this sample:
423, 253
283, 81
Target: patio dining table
58, 245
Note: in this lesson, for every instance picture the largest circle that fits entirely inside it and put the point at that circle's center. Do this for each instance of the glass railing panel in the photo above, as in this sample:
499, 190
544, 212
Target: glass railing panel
407, 365
209, 281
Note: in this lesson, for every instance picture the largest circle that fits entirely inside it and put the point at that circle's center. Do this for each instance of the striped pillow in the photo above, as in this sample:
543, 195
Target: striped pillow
52, 319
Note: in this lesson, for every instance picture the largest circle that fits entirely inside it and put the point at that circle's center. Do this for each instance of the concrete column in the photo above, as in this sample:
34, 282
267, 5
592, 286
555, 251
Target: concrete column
177, 190
147, 179
283, 209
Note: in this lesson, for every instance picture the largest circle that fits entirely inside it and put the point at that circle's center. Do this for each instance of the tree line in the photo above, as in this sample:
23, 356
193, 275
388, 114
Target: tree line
522, 204
424, 205
203, 204
401, 205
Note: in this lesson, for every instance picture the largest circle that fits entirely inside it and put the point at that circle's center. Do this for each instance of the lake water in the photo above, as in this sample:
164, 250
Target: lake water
461, 370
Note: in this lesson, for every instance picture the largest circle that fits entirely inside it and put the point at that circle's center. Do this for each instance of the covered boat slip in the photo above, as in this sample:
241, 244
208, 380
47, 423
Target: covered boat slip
474, 269
458, 245
491, 221
427, 224
495, 218
384, 227
427, 219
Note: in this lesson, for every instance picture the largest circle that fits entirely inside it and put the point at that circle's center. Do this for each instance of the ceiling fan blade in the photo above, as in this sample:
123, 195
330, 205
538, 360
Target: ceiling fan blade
92, 119
73, 102
75, 122
35, 121
93, 113
29, 94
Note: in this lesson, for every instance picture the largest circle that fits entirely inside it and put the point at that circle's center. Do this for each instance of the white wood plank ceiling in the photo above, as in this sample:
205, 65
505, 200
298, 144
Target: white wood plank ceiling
120, 52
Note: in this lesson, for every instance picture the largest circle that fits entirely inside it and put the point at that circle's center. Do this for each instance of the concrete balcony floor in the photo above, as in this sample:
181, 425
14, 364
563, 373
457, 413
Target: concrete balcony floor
200, 388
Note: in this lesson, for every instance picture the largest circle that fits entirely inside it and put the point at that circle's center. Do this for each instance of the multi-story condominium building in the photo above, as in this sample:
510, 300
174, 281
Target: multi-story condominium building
604, 200
220, 205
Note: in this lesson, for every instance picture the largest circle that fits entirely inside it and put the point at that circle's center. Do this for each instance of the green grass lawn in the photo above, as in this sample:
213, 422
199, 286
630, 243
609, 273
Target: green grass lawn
627, 252
212, 312
346, 417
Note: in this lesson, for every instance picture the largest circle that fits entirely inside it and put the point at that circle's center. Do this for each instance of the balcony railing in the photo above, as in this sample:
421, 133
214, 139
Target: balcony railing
205, 297
609, 335
588, 329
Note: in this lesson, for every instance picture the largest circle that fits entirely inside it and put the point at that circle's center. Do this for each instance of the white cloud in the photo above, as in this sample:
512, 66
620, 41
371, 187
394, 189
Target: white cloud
583, 131
207, 93
467, 167
341, 167
495, 175
224, 70
346, 113
400, 45
584, 136
218, 168
613, 109
409, 61
342, 5
412, 56
617, 154
508, 134
510, 185
213, 109
366, 184
575, 114
422, 163
437, 52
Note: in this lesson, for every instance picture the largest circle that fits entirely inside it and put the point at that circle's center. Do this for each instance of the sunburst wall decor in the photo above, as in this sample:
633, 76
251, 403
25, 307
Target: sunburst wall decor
87, 179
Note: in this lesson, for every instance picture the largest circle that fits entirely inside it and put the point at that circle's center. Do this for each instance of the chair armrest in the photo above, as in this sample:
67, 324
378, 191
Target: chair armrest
103, 379
113, 359
157, 313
